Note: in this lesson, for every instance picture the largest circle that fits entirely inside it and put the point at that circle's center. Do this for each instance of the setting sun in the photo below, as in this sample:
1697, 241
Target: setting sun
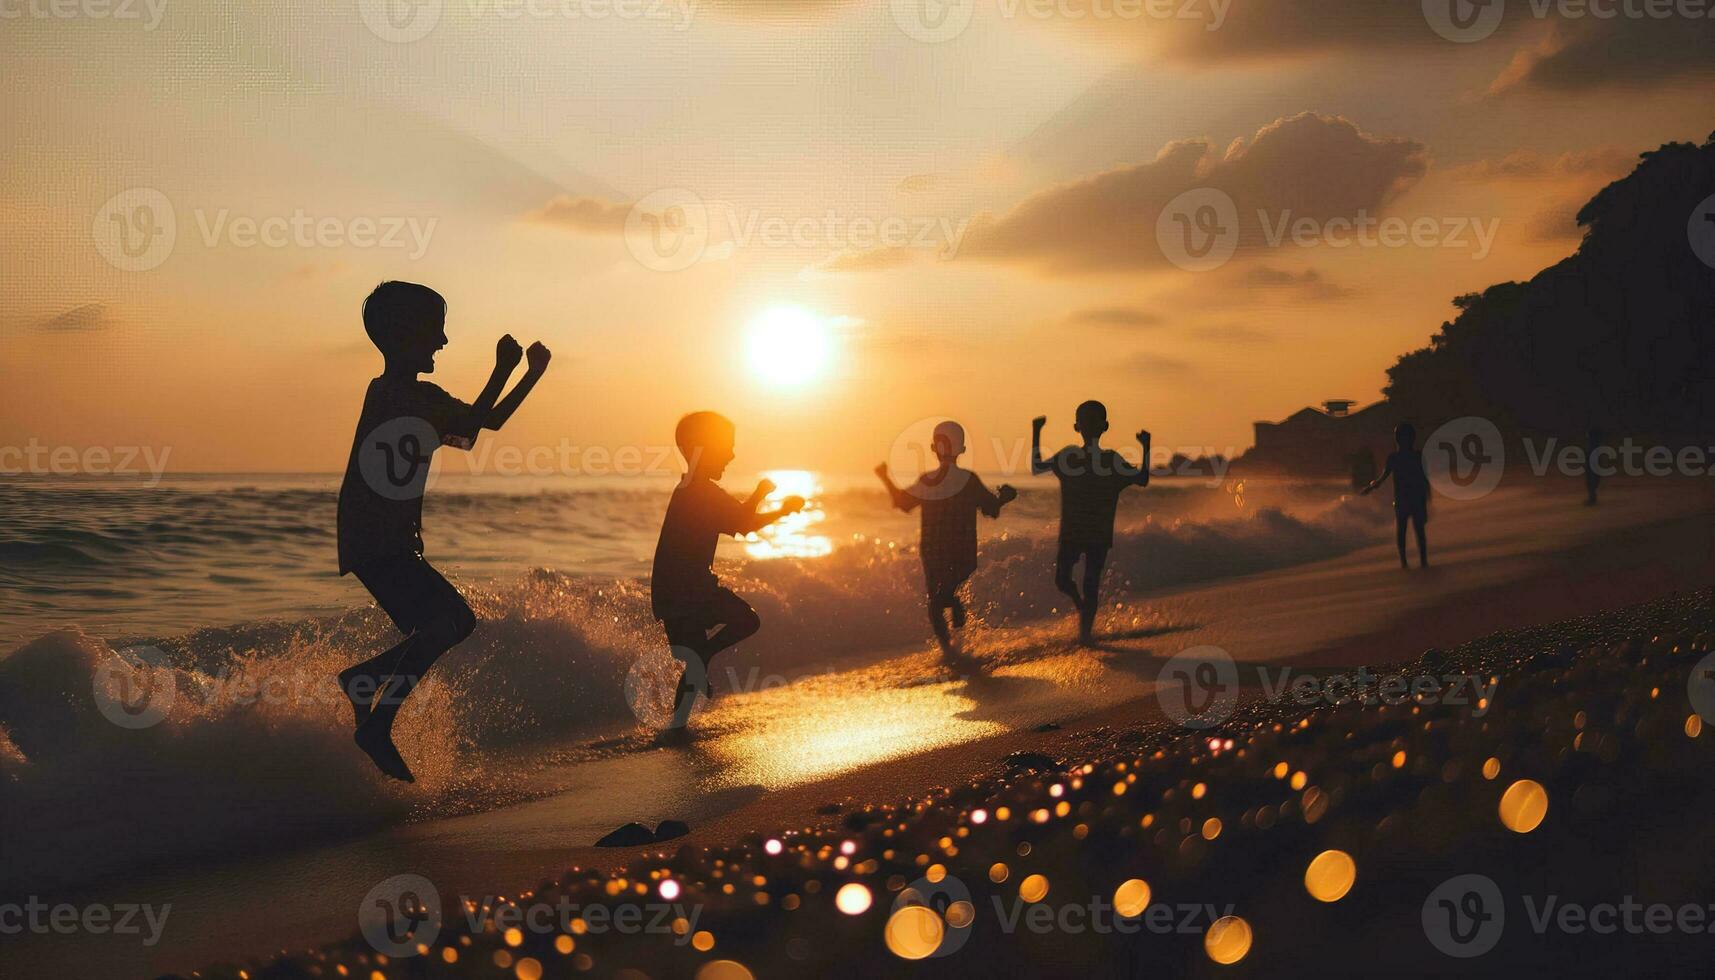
788, 346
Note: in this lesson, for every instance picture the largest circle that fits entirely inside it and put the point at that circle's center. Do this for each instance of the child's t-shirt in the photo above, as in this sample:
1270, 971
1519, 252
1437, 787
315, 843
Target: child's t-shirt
1090, 489
1410, 482
949, 530
381, 498
697, 515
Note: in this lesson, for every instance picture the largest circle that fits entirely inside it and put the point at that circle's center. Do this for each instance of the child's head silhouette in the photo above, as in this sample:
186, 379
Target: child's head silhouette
948, 441
705, 439
1092, 420
407, 323
1405, 434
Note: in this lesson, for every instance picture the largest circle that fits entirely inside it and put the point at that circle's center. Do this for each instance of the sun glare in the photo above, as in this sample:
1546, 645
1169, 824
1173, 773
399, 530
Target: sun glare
788, 347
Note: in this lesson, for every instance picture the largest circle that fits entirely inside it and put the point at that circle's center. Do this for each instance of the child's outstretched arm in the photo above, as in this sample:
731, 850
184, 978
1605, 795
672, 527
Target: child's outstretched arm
901, 499
1140, 476
1387, 471
990, 502
537, 356
1037, 466
757, 521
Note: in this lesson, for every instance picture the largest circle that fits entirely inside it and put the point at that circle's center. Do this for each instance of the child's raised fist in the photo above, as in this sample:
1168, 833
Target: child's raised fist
538, 356
507, 352
792, 505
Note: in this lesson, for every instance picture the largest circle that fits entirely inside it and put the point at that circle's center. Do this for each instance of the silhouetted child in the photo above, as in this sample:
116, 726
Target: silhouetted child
1410, 491
404, 421
951, 497
684, 593
1091, 481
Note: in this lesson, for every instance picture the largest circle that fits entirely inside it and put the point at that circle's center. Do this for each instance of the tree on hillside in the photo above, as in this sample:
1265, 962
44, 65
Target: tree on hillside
1619, 335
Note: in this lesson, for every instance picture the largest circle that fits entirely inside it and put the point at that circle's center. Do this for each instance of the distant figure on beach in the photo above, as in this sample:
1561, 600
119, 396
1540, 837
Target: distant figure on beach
1592, 478
404, 420
1091, 481
684, 593
1410, 491
951, 498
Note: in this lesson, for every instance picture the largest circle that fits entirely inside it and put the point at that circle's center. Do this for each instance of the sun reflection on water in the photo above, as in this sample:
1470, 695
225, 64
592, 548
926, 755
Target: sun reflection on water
792, 536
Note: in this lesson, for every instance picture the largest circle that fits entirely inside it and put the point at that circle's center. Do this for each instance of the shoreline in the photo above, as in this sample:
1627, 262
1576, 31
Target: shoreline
509, 849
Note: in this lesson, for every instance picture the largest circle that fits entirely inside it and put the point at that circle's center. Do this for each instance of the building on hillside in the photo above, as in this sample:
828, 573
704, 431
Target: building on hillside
1332, 440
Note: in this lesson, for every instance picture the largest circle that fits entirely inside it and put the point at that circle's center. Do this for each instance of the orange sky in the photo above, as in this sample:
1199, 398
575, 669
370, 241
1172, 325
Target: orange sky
981, 210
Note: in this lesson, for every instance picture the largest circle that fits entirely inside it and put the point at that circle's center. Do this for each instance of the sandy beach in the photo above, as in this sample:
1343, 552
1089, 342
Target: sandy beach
794, 753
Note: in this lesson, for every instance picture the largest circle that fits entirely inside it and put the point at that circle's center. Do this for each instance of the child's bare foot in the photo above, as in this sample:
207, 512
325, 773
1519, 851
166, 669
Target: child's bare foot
378, 745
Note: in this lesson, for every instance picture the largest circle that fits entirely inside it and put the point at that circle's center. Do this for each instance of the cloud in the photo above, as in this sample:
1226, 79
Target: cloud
1608, 162
1234, 334
1308, 284
1624, 52
1560, 45
1146, 365
584, 214
868, 260
1115, 316
89, 316
1556, 223
1305, 166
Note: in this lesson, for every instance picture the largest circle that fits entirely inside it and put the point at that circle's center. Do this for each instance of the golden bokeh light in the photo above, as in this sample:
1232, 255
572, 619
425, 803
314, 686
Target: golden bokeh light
1330, 876
853, 898
1033, 888
914, 932
1523, 806
1228, 940
724, 970
1131, 898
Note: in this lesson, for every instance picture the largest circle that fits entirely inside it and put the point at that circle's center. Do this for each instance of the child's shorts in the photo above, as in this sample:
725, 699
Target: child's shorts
717, 607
